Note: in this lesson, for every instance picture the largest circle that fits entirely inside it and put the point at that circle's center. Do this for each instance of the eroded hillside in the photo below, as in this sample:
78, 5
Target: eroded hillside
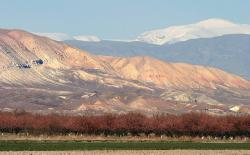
42, 75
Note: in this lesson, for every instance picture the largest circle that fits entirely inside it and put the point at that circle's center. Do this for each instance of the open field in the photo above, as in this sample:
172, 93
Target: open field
134, 152
151, 138
116, 145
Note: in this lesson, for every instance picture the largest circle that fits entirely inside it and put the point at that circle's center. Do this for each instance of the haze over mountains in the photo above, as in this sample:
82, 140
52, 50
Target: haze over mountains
42, 75
64, 36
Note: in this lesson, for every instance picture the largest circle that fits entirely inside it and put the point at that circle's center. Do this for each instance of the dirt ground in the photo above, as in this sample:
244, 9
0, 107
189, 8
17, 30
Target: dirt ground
142, 152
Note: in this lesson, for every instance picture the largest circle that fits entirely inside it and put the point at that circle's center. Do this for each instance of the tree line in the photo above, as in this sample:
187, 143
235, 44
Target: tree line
189, 124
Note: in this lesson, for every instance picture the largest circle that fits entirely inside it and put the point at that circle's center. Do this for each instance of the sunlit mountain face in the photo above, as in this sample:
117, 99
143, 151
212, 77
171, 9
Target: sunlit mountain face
42, 75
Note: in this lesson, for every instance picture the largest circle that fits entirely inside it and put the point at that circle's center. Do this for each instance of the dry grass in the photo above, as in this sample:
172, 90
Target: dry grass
8, 136
143, 152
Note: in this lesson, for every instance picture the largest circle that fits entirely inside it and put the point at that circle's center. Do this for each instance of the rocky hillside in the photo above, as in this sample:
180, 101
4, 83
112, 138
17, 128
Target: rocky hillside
176, 75
41, 75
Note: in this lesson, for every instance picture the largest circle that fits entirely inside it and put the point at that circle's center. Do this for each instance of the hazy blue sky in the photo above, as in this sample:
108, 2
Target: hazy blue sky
115, 19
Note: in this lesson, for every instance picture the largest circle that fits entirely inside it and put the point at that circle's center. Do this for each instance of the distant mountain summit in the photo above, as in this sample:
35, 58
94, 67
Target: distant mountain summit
203, 29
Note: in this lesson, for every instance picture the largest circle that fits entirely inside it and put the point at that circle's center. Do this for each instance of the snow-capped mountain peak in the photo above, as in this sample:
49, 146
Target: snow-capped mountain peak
87, 38
203, 29
215, 22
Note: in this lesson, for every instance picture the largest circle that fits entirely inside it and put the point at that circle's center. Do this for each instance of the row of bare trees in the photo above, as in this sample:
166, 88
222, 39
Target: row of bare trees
191, 124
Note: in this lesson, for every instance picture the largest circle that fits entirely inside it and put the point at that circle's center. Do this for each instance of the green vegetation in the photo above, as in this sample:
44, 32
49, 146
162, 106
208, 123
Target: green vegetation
115, 145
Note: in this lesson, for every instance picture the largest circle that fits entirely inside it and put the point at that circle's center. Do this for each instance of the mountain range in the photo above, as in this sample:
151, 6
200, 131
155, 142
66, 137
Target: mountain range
213, 42
228, 52
209, 28
42, 75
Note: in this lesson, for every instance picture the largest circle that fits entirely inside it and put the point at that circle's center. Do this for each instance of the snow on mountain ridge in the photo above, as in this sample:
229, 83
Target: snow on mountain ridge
87, 38
214, 22
64, 36
203, 29
55, 36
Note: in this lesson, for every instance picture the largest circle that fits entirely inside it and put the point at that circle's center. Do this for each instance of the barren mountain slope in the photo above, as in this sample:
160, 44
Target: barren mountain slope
41, 75
175, 74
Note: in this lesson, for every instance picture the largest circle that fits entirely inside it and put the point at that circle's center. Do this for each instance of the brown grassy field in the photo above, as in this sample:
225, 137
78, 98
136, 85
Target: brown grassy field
71, 137
142, 152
